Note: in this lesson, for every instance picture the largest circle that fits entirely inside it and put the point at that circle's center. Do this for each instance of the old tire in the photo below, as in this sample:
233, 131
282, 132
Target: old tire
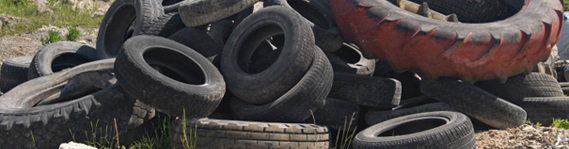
471, 51
14, 72
48, 126
544, 109
366, 90
200, 12
441, 130
475, 102
348, 59
164, 25
336, 114
295, 105
198, 40
169, 76
317, 13
520, 86
60, 55
210, 133
377, 116
261, 86
124, 19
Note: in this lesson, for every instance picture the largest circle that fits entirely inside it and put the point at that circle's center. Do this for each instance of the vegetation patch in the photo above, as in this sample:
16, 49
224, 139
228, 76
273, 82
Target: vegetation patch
63, 15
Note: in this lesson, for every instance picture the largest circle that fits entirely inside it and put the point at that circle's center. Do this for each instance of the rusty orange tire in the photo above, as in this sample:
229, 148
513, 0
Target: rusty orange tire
433, 48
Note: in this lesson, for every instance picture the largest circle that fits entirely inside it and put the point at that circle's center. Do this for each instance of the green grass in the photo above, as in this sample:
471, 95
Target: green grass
566, 5
63, 16
560, 123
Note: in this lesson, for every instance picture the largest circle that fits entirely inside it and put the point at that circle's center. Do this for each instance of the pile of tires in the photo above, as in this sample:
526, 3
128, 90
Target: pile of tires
249, 74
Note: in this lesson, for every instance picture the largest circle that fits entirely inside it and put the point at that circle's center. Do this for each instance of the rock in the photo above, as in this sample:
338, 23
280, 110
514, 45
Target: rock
11, 20
73, 145
45, 10
99, 12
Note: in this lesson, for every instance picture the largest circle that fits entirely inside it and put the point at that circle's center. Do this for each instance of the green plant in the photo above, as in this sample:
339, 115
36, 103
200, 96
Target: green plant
560, 123
346, 135
566, 5
160, 138
73, 34
53, 36
192, 141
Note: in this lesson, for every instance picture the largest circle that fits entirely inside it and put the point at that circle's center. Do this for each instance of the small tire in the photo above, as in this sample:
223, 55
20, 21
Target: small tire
348, 59
366, 90
520, 86
200, 12
50, 125
544, 109
261, 86
124, 19
211, 133
164, 25
169, 76
198, 40
295, 105
376, 116
60, 55
14, 72
441, 130
475, 102
317, 13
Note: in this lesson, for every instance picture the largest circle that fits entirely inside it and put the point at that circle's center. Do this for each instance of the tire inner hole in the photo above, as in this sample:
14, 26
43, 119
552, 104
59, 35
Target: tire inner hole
68, 60
414, 127
310, 13
261, 49
175, 65
348, 54
121, 27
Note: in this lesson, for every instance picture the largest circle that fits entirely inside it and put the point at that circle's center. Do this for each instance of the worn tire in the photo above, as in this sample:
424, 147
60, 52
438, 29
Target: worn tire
220, 31
211, 133
471, 51
198, 40
544, 109
58, 56
317, 13
336, 114
261, 86
520, 86
366, 90
14, 72
27, 126
441, 130
171, 6
348, 59
294, 105
475, 102
188, 82
164, 25
124, 19
200, 12
377, 116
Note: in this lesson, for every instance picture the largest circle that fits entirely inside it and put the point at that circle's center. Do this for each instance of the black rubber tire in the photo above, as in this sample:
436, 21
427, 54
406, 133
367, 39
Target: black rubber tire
336, 114
164, 25
220, 31
475, 102
198, 40
317, 13
14, 72
410, 83
200, 12
544, 109
440, 130
188, 81
269, 84
376, 116
295, 105
476, 11
211, 133
171, 6
520, 86
349, 60
124, 19
60, 55
366, 90
27, 126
